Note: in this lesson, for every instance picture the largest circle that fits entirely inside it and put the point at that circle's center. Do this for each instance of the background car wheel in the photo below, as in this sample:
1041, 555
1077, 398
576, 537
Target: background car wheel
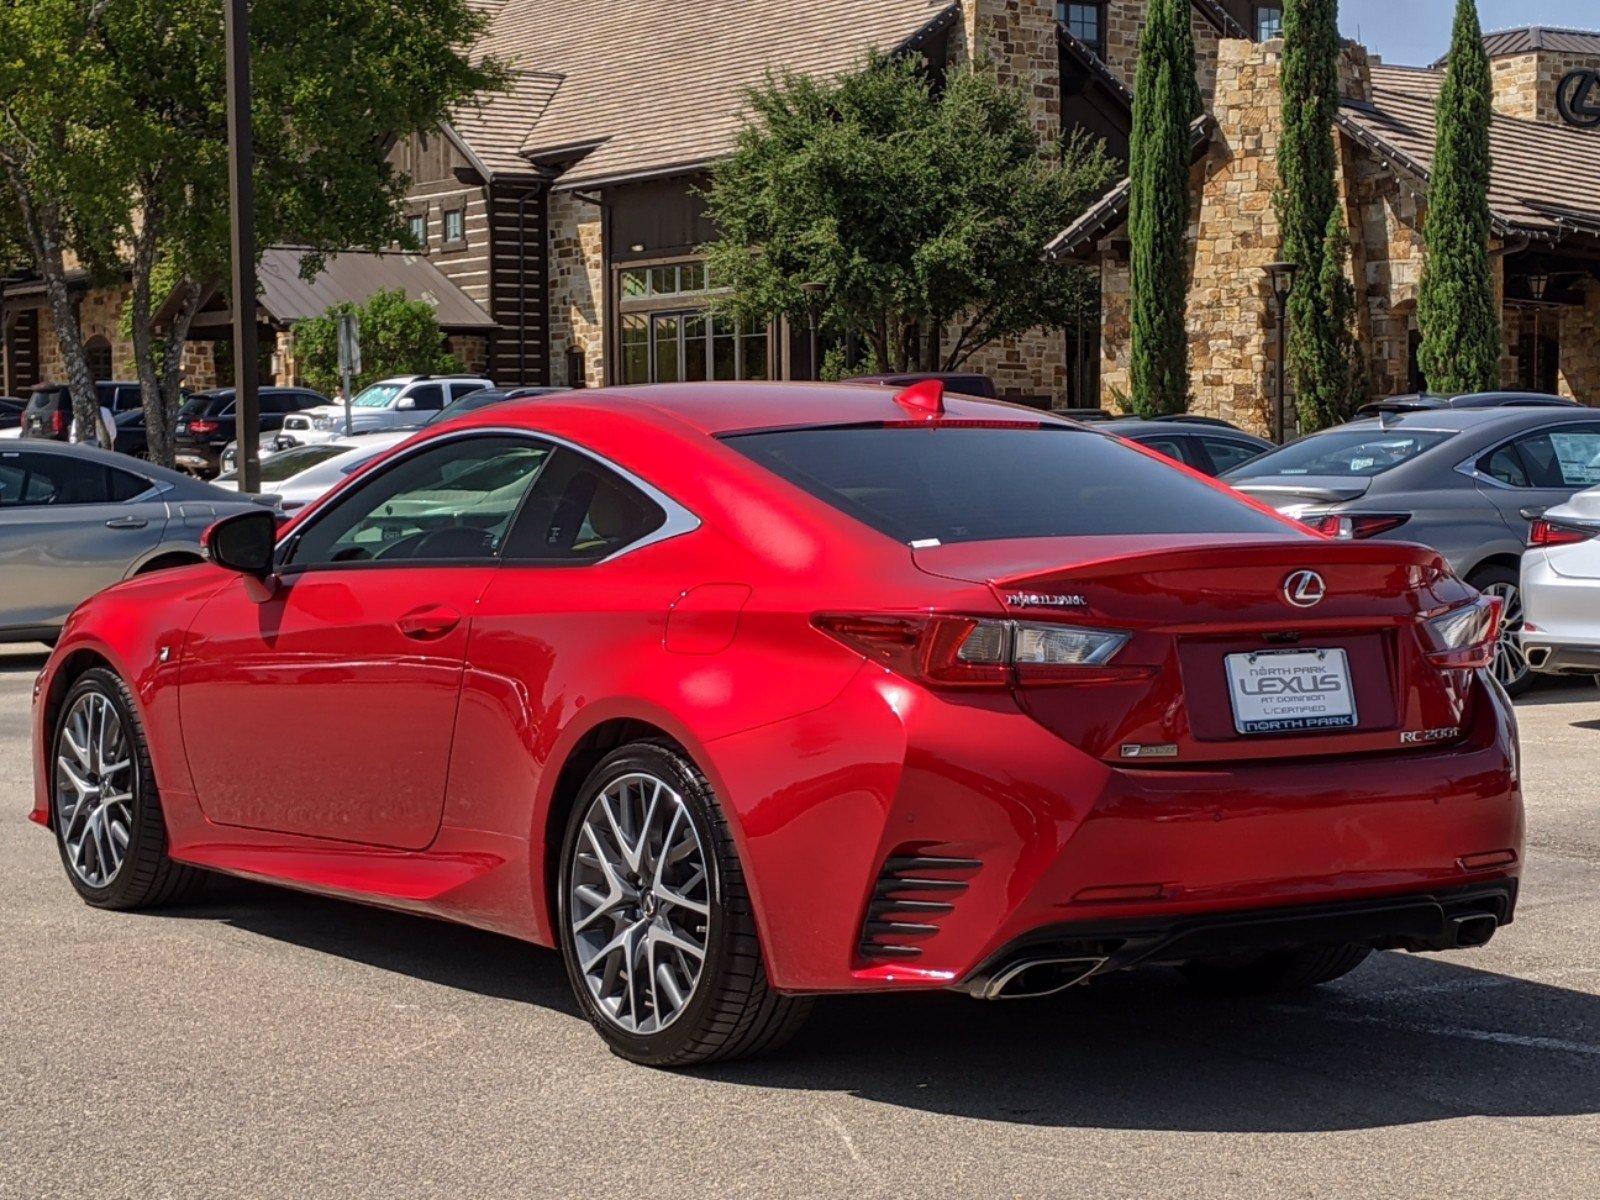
655, 920
1281, 971
103, 802
1510, 664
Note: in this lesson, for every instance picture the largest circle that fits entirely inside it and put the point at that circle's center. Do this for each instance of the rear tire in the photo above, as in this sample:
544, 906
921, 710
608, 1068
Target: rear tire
104, 805
1280, 971
670, 879
1510, 664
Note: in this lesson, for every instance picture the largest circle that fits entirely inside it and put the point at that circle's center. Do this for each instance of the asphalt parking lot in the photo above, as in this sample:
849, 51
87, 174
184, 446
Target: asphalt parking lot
272, 1044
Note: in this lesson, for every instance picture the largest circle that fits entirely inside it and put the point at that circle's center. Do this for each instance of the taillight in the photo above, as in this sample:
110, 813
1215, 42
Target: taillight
1464, 637
203, 427
1549, 533
948, 651
1355, 526
58, 423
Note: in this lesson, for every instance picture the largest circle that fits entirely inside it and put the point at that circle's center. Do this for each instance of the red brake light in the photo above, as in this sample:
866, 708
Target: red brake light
202, 427
58, 422
971, 652
1355, 526
1548, 533
1464, 638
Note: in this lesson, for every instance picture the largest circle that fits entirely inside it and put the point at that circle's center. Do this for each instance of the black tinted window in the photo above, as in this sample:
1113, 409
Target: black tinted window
1226, 453
28, 479
967, 484
581, 512
429, 397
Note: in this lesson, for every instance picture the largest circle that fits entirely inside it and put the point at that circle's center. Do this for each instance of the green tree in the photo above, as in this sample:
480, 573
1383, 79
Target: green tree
1166, 101
1456, 307
1322, 312
113, 142
398, 337
914, 214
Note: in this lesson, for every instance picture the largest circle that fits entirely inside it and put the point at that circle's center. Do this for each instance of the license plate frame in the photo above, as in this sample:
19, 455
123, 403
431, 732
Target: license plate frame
1299, 690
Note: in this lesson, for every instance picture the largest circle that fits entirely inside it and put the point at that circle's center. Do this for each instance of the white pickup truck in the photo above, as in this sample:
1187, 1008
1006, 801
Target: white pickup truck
397, 403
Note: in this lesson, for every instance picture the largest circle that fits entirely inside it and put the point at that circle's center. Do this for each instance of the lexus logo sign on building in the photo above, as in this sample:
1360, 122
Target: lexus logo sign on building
1578, 100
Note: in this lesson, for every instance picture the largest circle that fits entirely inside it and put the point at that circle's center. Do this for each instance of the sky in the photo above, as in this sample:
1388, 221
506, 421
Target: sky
1416, 32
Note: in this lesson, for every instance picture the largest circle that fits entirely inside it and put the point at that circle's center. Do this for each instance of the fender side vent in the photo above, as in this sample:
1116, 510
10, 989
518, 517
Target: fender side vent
912, 892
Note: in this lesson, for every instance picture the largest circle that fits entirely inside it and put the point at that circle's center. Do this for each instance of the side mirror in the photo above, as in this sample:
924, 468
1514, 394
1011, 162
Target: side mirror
243, 542
405, 403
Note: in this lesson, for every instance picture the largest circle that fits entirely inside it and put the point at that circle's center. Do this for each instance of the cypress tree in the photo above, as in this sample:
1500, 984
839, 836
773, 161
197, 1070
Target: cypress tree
1456, 308
1322, 343
1166, 100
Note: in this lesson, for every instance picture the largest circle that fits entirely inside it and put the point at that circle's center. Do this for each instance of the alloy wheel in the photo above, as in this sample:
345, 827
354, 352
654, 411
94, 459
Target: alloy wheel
639, 903
1510, 664
94, 781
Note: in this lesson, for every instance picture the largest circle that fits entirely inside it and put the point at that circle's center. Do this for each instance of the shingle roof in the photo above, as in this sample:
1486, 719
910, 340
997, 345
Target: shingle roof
1545, 178
355, 276
629, 88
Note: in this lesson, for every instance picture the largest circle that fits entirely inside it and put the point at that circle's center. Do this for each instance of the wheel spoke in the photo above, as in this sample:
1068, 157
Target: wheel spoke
94, 811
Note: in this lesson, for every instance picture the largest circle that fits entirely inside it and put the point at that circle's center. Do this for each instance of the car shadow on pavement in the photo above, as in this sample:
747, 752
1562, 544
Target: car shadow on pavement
435, 951
24, 663
1401, 1041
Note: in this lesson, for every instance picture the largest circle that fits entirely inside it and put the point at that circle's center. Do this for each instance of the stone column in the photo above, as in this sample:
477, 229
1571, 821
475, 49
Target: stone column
577, 289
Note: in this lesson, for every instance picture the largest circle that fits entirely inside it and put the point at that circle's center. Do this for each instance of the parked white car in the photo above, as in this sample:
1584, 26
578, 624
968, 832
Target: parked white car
301, 474
1561, 588
405, 401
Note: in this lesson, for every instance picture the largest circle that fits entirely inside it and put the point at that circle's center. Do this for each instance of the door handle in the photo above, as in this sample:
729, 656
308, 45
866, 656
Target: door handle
126, 523
427, 623
1532, 513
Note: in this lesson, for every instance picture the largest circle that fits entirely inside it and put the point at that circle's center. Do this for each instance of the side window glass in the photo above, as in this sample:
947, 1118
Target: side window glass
57, 479
449, 503
458, 390
1170, 446
1577, 456
580, 512
124, 485
1226, 453
1505, 465
427, 398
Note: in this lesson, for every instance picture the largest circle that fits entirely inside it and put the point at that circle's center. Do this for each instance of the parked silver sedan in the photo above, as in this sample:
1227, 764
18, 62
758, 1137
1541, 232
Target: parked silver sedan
74, 520
1467, 482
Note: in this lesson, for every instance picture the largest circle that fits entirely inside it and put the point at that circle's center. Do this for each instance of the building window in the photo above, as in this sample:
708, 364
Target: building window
1086, 22
455, 226
97, 350
667, 337
417, 229
1269, 22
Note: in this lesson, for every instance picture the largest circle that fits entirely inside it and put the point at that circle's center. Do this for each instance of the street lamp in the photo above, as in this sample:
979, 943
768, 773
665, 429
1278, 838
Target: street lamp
814, 293
242, 213
1280, 277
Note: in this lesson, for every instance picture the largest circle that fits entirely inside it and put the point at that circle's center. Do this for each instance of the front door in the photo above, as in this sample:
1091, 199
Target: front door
328, 708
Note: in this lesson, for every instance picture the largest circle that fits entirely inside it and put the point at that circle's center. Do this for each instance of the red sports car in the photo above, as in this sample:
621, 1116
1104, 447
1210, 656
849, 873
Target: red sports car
740, 694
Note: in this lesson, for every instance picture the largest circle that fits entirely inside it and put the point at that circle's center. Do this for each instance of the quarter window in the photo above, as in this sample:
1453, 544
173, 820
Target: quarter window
1561, 458
452, 502
581, 511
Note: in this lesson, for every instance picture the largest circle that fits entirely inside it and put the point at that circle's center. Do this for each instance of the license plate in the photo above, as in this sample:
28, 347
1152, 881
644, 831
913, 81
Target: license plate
1290, 691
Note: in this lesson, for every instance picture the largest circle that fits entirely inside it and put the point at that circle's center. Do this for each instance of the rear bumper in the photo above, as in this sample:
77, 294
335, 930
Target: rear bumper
1562, 634
1442, 919
898, 838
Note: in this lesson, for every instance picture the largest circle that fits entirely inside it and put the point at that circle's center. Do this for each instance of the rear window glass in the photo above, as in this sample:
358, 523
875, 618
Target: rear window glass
207, 406
965, 484
1360, 452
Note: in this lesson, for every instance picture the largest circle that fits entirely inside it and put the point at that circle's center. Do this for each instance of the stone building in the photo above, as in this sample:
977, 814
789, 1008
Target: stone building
1544, 198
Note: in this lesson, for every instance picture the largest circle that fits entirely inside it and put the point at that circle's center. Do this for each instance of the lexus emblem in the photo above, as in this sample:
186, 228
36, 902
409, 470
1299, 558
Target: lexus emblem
1575, 99
1304, 589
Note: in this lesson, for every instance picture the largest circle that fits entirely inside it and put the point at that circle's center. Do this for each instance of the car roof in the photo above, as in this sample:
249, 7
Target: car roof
722, 408
1456, 420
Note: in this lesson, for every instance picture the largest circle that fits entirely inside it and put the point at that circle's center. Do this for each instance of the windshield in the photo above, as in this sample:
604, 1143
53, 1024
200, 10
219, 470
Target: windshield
956, 483
1360, 453
377, 396
283, 465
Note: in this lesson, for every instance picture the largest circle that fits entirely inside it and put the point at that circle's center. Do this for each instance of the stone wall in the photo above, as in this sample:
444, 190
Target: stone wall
1019, 38
1124, 25
1579, 377
470, 350
1525, 84
1389, 213
577, 289
99, 315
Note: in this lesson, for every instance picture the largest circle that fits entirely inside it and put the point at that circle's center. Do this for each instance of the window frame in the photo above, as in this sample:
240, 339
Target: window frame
412, 217
1473, 465
1064, 18
1257, 11
445, 239
679, 519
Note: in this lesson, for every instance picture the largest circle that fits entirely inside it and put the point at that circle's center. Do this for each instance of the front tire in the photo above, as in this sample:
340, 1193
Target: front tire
1281, 971
655, 920
104, 804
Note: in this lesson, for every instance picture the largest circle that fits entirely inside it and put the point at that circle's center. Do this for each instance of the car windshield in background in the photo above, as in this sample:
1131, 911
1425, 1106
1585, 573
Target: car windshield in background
291, 462
377, 396
959, 483
1357, 452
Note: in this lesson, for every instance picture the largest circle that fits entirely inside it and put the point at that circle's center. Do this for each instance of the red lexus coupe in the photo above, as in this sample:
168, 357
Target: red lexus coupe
738, 694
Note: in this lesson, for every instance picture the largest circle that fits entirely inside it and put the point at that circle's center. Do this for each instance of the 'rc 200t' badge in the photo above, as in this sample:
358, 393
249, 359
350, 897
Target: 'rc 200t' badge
1040, 600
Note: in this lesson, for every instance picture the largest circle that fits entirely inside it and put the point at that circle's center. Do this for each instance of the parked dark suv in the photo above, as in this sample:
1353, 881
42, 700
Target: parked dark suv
207, 423
49, 411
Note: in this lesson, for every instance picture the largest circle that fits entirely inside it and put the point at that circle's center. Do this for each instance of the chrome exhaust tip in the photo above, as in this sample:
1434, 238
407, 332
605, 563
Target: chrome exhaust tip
1537, 657
1030, 977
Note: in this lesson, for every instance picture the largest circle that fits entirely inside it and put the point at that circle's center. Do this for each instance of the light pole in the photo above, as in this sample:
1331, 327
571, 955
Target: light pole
814, 293
242, 213
1280, 277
